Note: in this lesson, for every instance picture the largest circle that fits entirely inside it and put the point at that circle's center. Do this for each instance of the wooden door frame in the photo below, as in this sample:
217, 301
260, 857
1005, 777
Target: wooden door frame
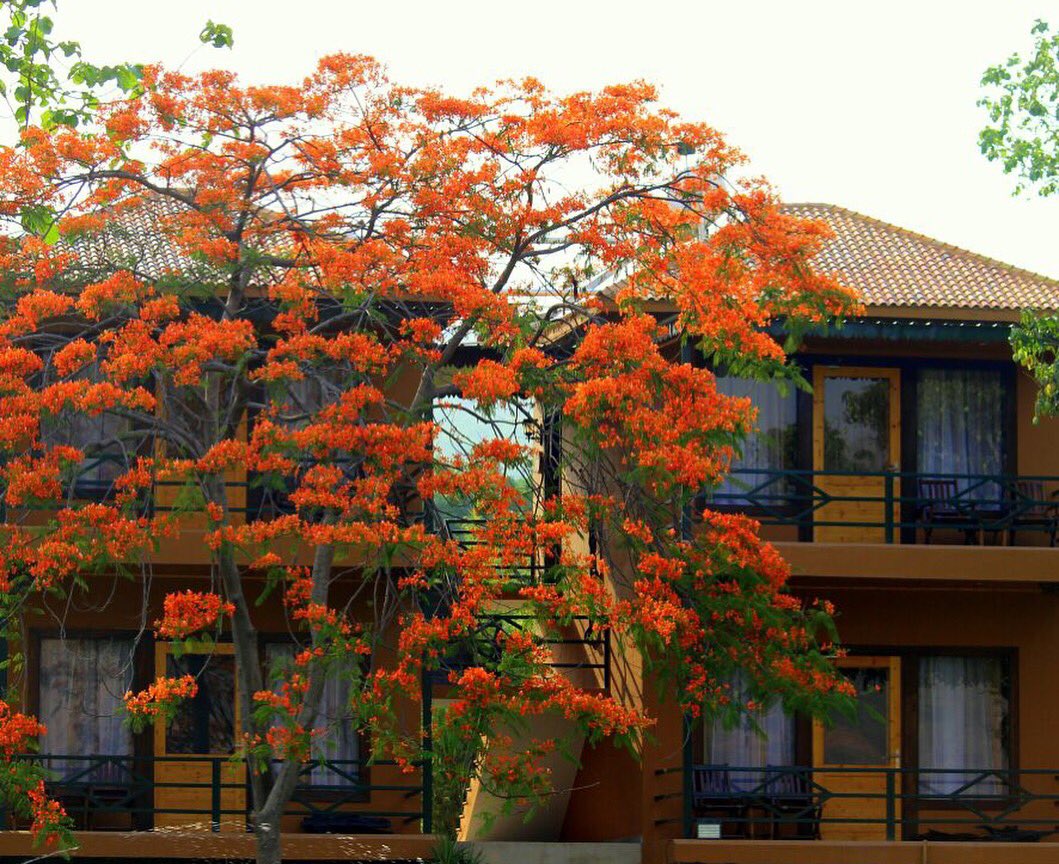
162, 650
822, 372
894, 711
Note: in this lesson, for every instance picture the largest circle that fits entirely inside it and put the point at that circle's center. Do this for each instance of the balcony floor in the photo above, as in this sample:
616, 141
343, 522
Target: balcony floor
205, 845
919, 562
851, 852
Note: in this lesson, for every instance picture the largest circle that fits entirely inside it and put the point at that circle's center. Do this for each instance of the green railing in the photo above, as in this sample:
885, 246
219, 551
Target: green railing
123, 792
900, 506
731, 802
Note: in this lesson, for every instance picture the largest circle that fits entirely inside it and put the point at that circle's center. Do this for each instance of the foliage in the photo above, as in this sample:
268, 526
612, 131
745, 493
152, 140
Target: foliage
349, 251
1035, 344
448, 851
1022, 103
456, 753
30, 55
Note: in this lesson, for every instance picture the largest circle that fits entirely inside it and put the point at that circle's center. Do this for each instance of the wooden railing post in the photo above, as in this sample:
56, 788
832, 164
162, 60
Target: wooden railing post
687, 785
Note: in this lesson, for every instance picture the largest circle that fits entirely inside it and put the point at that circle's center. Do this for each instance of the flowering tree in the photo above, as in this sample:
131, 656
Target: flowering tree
353, 260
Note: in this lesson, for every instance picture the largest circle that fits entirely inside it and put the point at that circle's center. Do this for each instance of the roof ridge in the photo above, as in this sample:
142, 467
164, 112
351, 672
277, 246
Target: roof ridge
908, 232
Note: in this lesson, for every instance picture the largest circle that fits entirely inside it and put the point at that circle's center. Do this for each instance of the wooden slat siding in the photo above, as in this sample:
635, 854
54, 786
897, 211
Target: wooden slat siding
872, 512
205, 846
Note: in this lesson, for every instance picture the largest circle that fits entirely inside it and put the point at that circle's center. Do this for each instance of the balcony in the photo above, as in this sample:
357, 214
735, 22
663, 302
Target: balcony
812, 815
895, 507
209, 793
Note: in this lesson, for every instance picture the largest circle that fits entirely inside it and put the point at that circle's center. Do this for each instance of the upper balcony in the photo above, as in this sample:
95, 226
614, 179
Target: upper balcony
900, 466
896, 506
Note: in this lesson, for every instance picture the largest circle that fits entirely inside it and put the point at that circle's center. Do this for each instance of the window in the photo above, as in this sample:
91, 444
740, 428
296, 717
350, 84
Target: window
771, 446
98, 436
338, 747
462, 424
205, 723
856, 424
82, 682
964, 724
298, 402
960, 426
767, 740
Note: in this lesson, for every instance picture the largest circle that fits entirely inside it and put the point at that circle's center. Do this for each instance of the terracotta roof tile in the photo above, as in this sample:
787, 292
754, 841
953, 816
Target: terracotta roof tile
895, 267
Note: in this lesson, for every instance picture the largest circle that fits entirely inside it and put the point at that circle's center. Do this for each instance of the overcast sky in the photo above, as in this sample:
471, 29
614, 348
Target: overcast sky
866, 105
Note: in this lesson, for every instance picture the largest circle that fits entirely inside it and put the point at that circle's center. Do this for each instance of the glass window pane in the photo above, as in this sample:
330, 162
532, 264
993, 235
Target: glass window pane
206, 722
339, 744
862, 739
82, 682
964, 724
770, 447
960, 425
461, 425
856, 424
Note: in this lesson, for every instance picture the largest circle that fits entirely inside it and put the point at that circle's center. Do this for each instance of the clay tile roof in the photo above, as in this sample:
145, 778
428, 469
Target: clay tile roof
894, 267
132, 239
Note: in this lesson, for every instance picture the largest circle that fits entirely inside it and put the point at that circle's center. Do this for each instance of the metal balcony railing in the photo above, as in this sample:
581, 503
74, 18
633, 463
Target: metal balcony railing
751, 802
138, 793
896, 506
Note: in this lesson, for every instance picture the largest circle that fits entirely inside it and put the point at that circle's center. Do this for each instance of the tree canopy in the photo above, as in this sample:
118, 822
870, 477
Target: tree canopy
327, 268
1021, 99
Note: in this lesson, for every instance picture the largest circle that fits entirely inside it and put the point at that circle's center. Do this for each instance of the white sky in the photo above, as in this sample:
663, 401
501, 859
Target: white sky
870, 105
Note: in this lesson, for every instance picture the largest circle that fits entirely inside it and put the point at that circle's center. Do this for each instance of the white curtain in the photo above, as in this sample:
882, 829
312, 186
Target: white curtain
961, 425
82, 682
339, 740
963, 717
770, 446
765, 740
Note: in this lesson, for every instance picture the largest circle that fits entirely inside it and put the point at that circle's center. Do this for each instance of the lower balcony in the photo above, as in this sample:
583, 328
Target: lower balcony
114, 799
808, 815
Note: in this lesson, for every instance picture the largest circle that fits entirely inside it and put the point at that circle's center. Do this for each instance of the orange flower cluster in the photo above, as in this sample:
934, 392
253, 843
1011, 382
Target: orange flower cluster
191, 612
160, 699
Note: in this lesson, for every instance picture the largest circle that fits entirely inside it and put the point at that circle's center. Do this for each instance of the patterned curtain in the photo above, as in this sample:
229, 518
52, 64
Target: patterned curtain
771, 446
82, 682
764, 741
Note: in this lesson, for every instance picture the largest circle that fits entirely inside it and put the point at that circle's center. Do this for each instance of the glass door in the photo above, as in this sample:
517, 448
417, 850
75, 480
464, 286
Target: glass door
198, 783
851, 754
856, 441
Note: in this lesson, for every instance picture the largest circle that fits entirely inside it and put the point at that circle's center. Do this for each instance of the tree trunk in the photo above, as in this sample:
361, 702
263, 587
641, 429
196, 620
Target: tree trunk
267, 834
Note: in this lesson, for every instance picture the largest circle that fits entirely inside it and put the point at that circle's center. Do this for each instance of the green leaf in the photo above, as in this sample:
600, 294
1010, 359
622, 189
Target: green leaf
218, 35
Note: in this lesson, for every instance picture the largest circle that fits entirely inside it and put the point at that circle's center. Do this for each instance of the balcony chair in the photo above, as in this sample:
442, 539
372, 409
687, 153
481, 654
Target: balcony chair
1032, 509
939, 505
793, 805
714, 798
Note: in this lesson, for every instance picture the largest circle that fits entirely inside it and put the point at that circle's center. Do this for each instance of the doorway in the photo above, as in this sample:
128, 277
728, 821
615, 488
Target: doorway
198, 783
856, 441
851, 754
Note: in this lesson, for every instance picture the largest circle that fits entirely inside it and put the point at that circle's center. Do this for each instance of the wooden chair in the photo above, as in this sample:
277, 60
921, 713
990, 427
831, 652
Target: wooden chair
794, 806
1031, 508
714, 798
938, 505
